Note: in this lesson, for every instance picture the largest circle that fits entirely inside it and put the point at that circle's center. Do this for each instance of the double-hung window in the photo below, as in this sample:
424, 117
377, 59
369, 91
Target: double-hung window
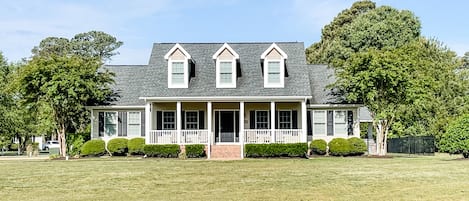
262, 119
133, 124
273, 73
169, 120
192, 119
285, 119
226, 72
110, 123
319, 122
340, 122
177, 72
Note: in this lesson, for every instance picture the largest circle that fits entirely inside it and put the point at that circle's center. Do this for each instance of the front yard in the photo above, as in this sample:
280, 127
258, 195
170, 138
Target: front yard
421, 178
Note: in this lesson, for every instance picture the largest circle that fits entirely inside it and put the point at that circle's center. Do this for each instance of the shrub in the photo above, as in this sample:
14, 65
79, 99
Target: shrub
195, 150
456, 138
75, 141
319, 147
117, 146
135, 146
357, 146
276, 150
161, 150
14, 147
339, 147
94, 147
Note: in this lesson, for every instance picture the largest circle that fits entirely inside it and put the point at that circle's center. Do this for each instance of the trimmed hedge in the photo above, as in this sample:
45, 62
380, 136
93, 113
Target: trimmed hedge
319, 147
117, 146
94, 147
339, 147
135, 146
276, 150
161, 150
357, 146
195, 150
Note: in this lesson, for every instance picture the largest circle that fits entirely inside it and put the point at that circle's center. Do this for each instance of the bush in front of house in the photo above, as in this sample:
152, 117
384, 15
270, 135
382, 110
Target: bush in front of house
94, 147
339, 147
117, 146
456, 138
357, 146
13, 147
135, 146
276, 150
161, 150
319, 147
195, 150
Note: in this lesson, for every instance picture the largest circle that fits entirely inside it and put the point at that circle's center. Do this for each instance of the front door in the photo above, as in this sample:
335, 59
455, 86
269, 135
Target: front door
226, 126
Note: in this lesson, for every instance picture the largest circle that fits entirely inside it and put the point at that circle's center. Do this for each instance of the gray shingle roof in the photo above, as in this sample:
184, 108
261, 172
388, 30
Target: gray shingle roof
251, 82
320, 76
129, 82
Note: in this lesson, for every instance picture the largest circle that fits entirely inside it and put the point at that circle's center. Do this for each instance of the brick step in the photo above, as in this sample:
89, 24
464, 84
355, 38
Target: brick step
225, 152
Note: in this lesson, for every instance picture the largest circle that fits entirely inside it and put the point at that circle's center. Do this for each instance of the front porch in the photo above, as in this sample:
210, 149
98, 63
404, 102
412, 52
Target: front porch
225, 123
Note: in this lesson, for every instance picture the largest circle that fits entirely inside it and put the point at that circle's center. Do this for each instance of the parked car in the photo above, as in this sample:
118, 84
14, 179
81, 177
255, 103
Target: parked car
50, 144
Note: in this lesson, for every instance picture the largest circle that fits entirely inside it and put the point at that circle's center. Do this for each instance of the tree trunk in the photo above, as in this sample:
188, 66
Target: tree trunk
61, 136
382, 128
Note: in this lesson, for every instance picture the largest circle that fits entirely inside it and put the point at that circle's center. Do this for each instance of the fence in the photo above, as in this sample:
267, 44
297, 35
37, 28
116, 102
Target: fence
412, 145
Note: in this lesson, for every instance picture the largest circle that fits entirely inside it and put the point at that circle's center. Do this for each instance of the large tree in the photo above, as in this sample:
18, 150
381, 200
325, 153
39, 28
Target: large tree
63, 76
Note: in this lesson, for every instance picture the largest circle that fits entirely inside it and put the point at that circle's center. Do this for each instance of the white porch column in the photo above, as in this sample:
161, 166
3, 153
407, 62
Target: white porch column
304, 130
272, 121
241, 127
178, 121
209, 127
148, 122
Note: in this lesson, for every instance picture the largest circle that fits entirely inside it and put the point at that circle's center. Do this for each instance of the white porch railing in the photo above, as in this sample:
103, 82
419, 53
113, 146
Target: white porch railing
287, 135
163, 137
194, 136
257, 136
264, 136
170, 137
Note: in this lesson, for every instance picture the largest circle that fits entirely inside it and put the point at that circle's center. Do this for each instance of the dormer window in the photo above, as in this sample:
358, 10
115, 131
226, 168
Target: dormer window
225, 61
274, 67
178, 67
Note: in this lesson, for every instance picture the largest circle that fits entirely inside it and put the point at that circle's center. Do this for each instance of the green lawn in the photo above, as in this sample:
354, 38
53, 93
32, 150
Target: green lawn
421, 178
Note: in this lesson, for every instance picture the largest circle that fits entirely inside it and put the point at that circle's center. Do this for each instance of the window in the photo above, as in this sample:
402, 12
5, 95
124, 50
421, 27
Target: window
169, 120
192, 119
262, 119
285, 119
340, 122
226, 72
177, 73
110, 123
273, 76
319, 122
133, 123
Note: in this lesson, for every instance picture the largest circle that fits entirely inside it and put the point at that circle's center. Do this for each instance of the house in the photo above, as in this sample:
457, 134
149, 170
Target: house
224, 96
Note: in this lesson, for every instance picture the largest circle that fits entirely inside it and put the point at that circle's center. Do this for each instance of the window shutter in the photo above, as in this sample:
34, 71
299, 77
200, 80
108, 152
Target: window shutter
119, 123
277, 113
268, 118
201, 120
330, 123
183, 119
217, 126
101, 124
294, 119
159, 120
252, 119
142, 123
309, 122
236, 124
350, 122
124, 123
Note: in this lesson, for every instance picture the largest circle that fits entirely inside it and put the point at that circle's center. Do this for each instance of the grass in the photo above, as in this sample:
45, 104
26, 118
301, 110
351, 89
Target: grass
438, 177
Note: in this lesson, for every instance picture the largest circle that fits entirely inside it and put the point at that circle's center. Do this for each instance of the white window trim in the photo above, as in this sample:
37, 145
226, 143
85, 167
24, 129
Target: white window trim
255, 118
233, 74
291, 118
325, 123
266, 74
162, 119
139, 120
117, 123
185, 120
170, 74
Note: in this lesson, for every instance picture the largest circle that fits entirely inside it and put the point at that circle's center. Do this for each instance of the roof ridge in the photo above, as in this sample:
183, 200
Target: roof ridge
265, 42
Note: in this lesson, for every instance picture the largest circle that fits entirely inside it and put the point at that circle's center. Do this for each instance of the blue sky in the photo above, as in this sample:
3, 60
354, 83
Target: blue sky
140, 23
